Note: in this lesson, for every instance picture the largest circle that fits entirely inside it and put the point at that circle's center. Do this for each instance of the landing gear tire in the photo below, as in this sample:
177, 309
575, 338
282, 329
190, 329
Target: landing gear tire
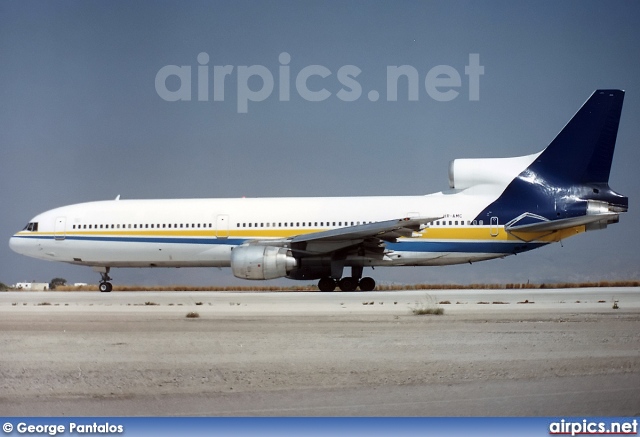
326, 284
348, 283
367, 284
105, 287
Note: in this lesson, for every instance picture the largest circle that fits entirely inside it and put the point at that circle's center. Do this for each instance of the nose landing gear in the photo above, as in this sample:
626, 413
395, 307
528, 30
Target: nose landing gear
104, 286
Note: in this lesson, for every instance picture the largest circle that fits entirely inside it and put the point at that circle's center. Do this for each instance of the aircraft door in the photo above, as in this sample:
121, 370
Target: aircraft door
493, 228
60, 230
222, 226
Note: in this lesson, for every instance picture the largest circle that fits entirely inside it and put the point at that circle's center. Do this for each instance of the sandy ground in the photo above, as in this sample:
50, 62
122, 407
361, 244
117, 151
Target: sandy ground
564, 352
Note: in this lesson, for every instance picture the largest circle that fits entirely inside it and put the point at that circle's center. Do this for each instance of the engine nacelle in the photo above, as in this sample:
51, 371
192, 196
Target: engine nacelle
466, 173
261, 262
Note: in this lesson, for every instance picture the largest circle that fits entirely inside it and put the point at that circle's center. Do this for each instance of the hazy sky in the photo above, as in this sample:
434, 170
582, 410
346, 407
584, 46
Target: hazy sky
81, 118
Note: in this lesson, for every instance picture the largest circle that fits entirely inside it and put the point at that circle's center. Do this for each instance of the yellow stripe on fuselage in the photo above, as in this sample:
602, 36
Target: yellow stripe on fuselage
472, 233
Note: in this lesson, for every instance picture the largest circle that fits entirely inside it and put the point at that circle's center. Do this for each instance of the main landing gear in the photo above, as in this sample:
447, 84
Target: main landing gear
348, 283
105, 286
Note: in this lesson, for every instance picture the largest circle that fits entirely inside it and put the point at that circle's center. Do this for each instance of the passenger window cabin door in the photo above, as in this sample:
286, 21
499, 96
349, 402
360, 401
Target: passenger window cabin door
222, 226
493, 227
60, 230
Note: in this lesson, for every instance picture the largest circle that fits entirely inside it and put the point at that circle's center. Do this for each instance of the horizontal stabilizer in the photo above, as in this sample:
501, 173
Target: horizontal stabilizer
556, 225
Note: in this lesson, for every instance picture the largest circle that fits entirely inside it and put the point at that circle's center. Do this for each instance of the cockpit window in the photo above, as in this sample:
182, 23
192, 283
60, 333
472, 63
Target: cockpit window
32, 227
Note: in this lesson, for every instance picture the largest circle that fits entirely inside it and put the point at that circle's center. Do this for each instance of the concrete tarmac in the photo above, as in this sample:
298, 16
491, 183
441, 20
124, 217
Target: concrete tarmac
492, 352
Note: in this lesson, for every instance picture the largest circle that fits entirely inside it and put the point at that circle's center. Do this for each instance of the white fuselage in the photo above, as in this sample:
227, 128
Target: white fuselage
202, 232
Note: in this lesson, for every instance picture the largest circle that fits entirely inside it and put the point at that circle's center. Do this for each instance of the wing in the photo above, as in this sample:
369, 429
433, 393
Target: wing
367, 239
370, 236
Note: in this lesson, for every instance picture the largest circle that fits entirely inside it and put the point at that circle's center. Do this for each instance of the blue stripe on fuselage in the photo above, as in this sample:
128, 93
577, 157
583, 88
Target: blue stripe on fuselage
497, 247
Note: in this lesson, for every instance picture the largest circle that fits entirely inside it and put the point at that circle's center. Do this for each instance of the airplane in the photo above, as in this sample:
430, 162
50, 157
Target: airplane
494, 207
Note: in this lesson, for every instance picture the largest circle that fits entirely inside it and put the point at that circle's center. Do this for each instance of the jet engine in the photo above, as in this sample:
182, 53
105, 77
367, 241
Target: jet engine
261, 262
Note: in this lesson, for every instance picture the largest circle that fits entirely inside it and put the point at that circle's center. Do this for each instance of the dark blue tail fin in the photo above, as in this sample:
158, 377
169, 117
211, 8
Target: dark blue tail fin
582, 152
572, 174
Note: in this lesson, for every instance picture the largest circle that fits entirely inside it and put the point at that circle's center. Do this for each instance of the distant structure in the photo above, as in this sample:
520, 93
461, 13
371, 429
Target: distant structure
32, 286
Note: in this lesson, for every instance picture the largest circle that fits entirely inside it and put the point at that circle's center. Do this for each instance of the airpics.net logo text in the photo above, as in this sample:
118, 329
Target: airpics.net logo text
257, 83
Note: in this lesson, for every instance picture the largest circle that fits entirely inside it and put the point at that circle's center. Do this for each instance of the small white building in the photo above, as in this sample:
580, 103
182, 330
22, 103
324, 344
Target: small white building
32, 286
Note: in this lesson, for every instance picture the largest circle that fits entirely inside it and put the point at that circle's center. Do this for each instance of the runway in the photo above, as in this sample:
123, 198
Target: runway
493, 352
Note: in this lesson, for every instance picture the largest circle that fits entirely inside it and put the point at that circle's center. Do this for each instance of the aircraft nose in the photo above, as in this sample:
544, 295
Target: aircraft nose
15, 244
